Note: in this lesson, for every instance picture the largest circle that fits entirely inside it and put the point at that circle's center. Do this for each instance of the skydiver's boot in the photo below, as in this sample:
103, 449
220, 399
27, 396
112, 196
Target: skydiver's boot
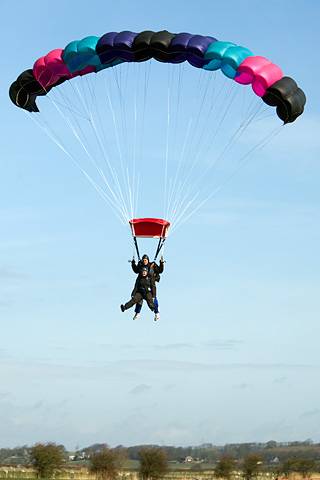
157, 317
122, 308
136, 316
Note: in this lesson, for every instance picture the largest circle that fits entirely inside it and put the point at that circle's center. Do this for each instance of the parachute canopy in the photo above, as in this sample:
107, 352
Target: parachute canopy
149, 227
93, 54
176, 127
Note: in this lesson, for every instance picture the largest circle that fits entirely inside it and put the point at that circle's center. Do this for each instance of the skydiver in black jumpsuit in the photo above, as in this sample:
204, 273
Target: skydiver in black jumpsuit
155, 270
144, 289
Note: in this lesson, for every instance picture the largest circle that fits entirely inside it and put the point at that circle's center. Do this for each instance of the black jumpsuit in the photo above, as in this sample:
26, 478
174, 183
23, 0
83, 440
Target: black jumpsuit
144, 289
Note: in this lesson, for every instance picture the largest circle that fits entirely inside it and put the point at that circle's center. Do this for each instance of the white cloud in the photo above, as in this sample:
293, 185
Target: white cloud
142, 388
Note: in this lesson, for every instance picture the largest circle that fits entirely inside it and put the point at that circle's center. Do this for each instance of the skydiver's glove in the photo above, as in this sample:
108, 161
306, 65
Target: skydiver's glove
161, 259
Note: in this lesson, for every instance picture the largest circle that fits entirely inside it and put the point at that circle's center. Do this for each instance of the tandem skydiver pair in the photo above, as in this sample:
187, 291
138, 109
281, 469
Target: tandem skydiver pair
145, 286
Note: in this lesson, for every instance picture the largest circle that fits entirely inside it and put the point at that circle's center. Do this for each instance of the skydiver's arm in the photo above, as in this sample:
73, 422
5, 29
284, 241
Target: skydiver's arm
158, 268
135, 288
134, 266
161, 266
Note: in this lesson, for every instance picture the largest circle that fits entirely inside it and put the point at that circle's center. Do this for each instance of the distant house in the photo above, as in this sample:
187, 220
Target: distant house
188, 459
275, 460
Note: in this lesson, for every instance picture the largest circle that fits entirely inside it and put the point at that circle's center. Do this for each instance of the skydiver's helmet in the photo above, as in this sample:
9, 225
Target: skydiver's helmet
144, 271
145, 259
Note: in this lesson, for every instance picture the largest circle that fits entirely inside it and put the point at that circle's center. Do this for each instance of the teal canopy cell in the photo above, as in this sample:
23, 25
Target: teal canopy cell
226, 56
80, 54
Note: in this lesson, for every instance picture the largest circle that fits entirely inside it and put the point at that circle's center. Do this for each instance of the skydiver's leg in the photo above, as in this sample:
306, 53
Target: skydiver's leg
156, 305
149, 300
137, 310
135, 299
156, 309
138, 307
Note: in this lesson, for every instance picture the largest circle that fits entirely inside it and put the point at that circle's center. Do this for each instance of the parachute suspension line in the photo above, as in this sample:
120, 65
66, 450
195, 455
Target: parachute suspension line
264, 114
130, 193
172, 107
176, 194
135, 81
197, 156
244, 159
197, 185
78, 138
85, 148
115, 125
120, 177
181, 67
85, 105
197, 132
202, 104
137, 195
172, 191
206, 121
134, 200
224, 113
99, 190
121, 86
196, 123
167, 139
102, 144
250, 108
176, 110
180, 205
183, 208
234, 137
146, 78
198, 145
68, 105
138, 129
135, 121
181, 156
231, 141
97, 135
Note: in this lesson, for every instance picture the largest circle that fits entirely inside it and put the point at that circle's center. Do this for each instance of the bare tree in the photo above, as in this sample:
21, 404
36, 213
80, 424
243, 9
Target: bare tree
305, 467
251, 466
153, 463
288, 467
225, 467
106, 463
47, 459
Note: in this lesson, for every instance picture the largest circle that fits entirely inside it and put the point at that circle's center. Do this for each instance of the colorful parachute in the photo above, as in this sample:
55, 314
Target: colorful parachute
93, 54
192, 127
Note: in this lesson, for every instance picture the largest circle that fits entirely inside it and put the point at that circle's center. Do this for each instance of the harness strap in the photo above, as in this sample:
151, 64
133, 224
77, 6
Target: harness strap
160, 245
137, 248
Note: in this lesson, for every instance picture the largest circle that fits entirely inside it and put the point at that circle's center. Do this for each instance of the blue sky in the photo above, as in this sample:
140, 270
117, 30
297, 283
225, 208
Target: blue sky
235, 354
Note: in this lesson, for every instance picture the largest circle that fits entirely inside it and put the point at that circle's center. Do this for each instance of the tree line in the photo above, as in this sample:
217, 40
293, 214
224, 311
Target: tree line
49, 459
208, 453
